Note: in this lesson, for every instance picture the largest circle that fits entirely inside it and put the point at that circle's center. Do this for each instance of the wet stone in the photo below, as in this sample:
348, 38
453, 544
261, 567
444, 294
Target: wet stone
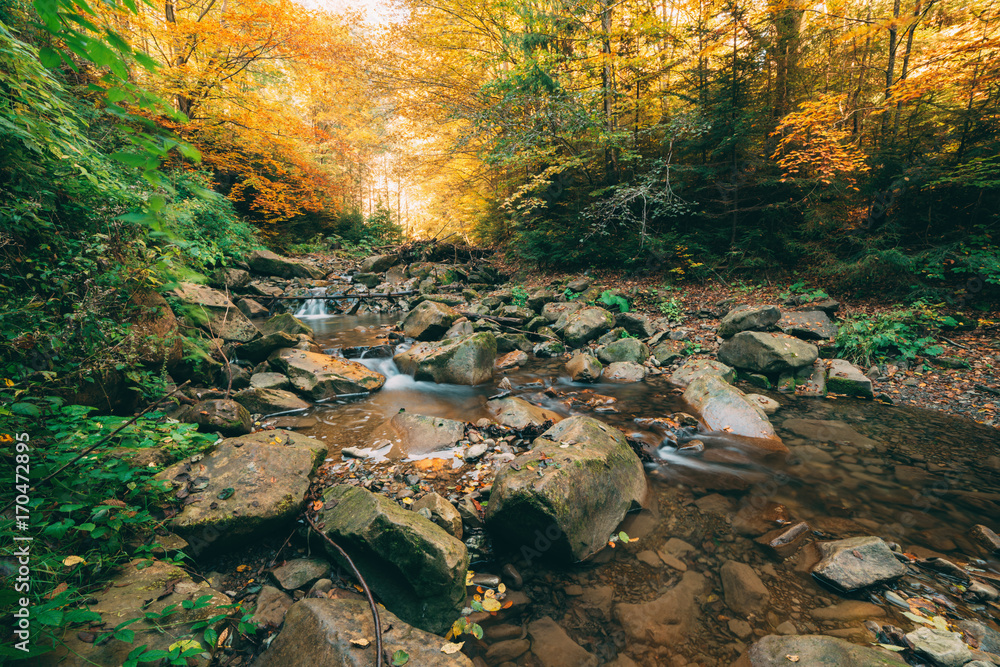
857, 562
300, 572
943, 648
745, 593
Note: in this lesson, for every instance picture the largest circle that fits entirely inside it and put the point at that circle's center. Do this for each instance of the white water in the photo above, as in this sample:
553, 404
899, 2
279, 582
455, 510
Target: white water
313, 308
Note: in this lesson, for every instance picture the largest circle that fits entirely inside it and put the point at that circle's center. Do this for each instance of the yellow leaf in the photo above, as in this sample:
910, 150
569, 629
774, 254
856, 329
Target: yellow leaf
184, 645
491, 605
451, 647
361, 642
70, 561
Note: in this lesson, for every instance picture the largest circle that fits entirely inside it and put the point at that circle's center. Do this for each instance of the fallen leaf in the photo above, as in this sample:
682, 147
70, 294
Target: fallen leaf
491, 605
451, 647
58, 589
400, 658
792, 658
70, 561
361, 642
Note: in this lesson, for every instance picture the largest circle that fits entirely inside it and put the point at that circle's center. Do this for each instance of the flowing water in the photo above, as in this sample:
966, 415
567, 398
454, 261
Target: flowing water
920, 478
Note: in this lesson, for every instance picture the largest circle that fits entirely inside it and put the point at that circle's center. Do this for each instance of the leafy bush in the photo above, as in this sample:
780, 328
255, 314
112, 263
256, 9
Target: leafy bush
519, 296
672, 309
609, 298
866, 339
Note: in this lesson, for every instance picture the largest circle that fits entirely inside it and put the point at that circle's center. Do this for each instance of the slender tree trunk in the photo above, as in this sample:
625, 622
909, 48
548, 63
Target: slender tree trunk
890, 66
607, 82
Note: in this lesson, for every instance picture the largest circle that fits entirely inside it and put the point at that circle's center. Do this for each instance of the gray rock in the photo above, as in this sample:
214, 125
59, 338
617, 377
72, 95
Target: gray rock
300, 572
285, 323
808, 325
554, 648
269, 401
442, 513
637, 324
510, 360
669, 351
226, 416
272, 605
584, 368
581, 284
585, 325
566, 511
548, 349
418, 435
319, 631
414, 566
815, 651
766, 403
626, 349
258, 350
269, 381
539, 298
767, 352
988, 638
745, 593
132, 593
985, 538
668, 619
271, 264
943, 648
624, 372
378, 263
246, 487
723, 407
429, 321
251, 308
460, 329
843, 377
519, 414
556, 310
695, 368
229, 278
369, 280
857, 562
319, 376
466, 360
748, 318
510, 342
213, 311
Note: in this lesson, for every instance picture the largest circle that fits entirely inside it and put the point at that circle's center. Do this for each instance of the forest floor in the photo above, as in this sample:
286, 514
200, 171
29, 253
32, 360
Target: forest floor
972, 391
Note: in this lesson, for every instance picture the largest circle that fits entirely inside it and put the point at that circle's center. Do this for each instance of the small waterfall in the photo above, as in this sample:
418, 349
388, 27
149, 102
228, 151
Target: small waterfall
313, 308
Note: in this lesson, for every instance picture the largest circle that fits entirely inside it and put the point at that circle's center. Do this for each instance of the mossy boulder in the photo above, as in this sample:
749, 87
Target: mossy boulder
272, 264
555, 310
222, 415
319, 376
269, 401
585, 325
212, 310
412, 565
259, 349
565, 508
245, 488
285, 323
509, 342
695, 368
768, 353
626, 349
429, 320
467, 360
748, 318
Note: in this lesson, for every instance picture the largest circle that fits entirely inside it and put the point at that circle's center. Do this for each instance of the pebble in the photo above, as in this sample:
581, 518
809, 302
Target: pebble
353, 453
512, 576
475, 452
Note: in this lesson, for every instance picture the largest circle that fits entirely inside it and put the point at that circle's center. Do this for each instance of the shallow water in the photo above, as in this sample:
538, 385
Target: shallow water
916, 477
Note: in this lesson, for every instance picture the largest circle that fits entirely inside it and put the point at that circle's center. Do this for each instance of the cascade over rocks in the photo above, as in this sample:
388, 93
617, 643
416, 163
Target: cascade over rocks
319, 376
318, 632
768, 353
247, 486
414, 566
213, 311
271, 264
467, 360
566, 511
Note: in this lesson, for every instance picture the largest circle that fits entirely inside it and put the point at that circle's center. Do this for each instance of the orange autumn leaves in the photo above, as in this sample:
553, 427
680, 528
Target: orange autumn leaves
814, 142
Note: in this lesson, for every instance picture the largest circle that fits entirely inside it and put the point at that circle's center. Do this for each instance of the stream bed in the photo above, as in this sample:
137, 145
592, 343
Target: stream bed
919, 478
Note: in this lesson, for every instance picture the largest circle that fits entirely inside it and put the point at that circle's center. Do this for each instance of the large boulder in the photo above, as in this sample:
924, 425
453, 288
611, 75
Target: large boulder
555, 310
815, 651
223, 415
258, 350
624, 372
246, 487
414, 566
418, 435
857, 562
585, 325
213, 311
285, 323
229, 278
519, 414
724, 408
808, 325
748, 318
319, 632
269, 401
319, 376
272, 264
767, 353
467, 360
566, 508
154, 329
584, 368
843, 377
626, 349
695, 368
429, 320
378, 263
637, 324
143, 589
539, 298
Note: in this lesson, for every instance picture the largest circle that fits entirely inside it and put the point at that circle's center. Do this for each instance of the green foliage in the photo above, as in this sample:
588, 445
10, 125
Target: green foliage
519, 296
672, 309
609, 298
805, 294
866, 339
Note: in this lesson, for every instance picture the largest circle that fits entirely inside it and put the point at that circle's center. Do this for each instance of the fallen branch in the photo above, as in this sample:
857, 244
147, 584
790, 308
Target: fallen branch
989, 390
364, 585
369, 295
951, 342
504, 322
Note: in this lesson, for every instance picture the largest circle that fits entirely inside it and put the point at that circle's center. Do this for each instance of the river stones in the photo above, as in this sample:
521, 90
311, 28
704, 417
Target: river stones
695, 368
511, 360
509, 342
269, 401
225, 416
213, 311
378, 263
319, 376
271, 264
624, 372
815, 651
319, 631
245, 487
554, 648
584, 325
369, 280
556, 310
414, 566
138, 592
519, 414
268, 380
442, 513
430, 320
767, 353
300, 572
857, 562
539, 298
843, 377
285, 323
724, 408
637, 324
828, 430
670, 618
669, 351
259, 349
584, 368
941, 647
808, 325
626, 349
418, 435
229, 278
566, 508
466, 360
747, 318
745, 593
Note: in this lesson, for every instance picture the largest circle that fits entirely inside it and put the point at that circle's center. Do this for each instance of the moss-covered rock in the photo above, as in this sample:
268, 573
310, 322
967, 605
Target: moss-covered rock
565, 508
269, 401
212, 310
429, 320
626, 349
225, 416
273, 264
519, 414
414, 566
467, 360
768, 353
285, 323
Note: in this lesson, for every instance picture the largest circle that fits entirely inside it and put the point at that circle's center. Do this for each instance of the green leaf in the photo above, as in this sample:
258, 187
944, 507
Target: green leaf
125, 635
26, 410
623, 536
49, 57
131, 159
400, 658
156, 203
